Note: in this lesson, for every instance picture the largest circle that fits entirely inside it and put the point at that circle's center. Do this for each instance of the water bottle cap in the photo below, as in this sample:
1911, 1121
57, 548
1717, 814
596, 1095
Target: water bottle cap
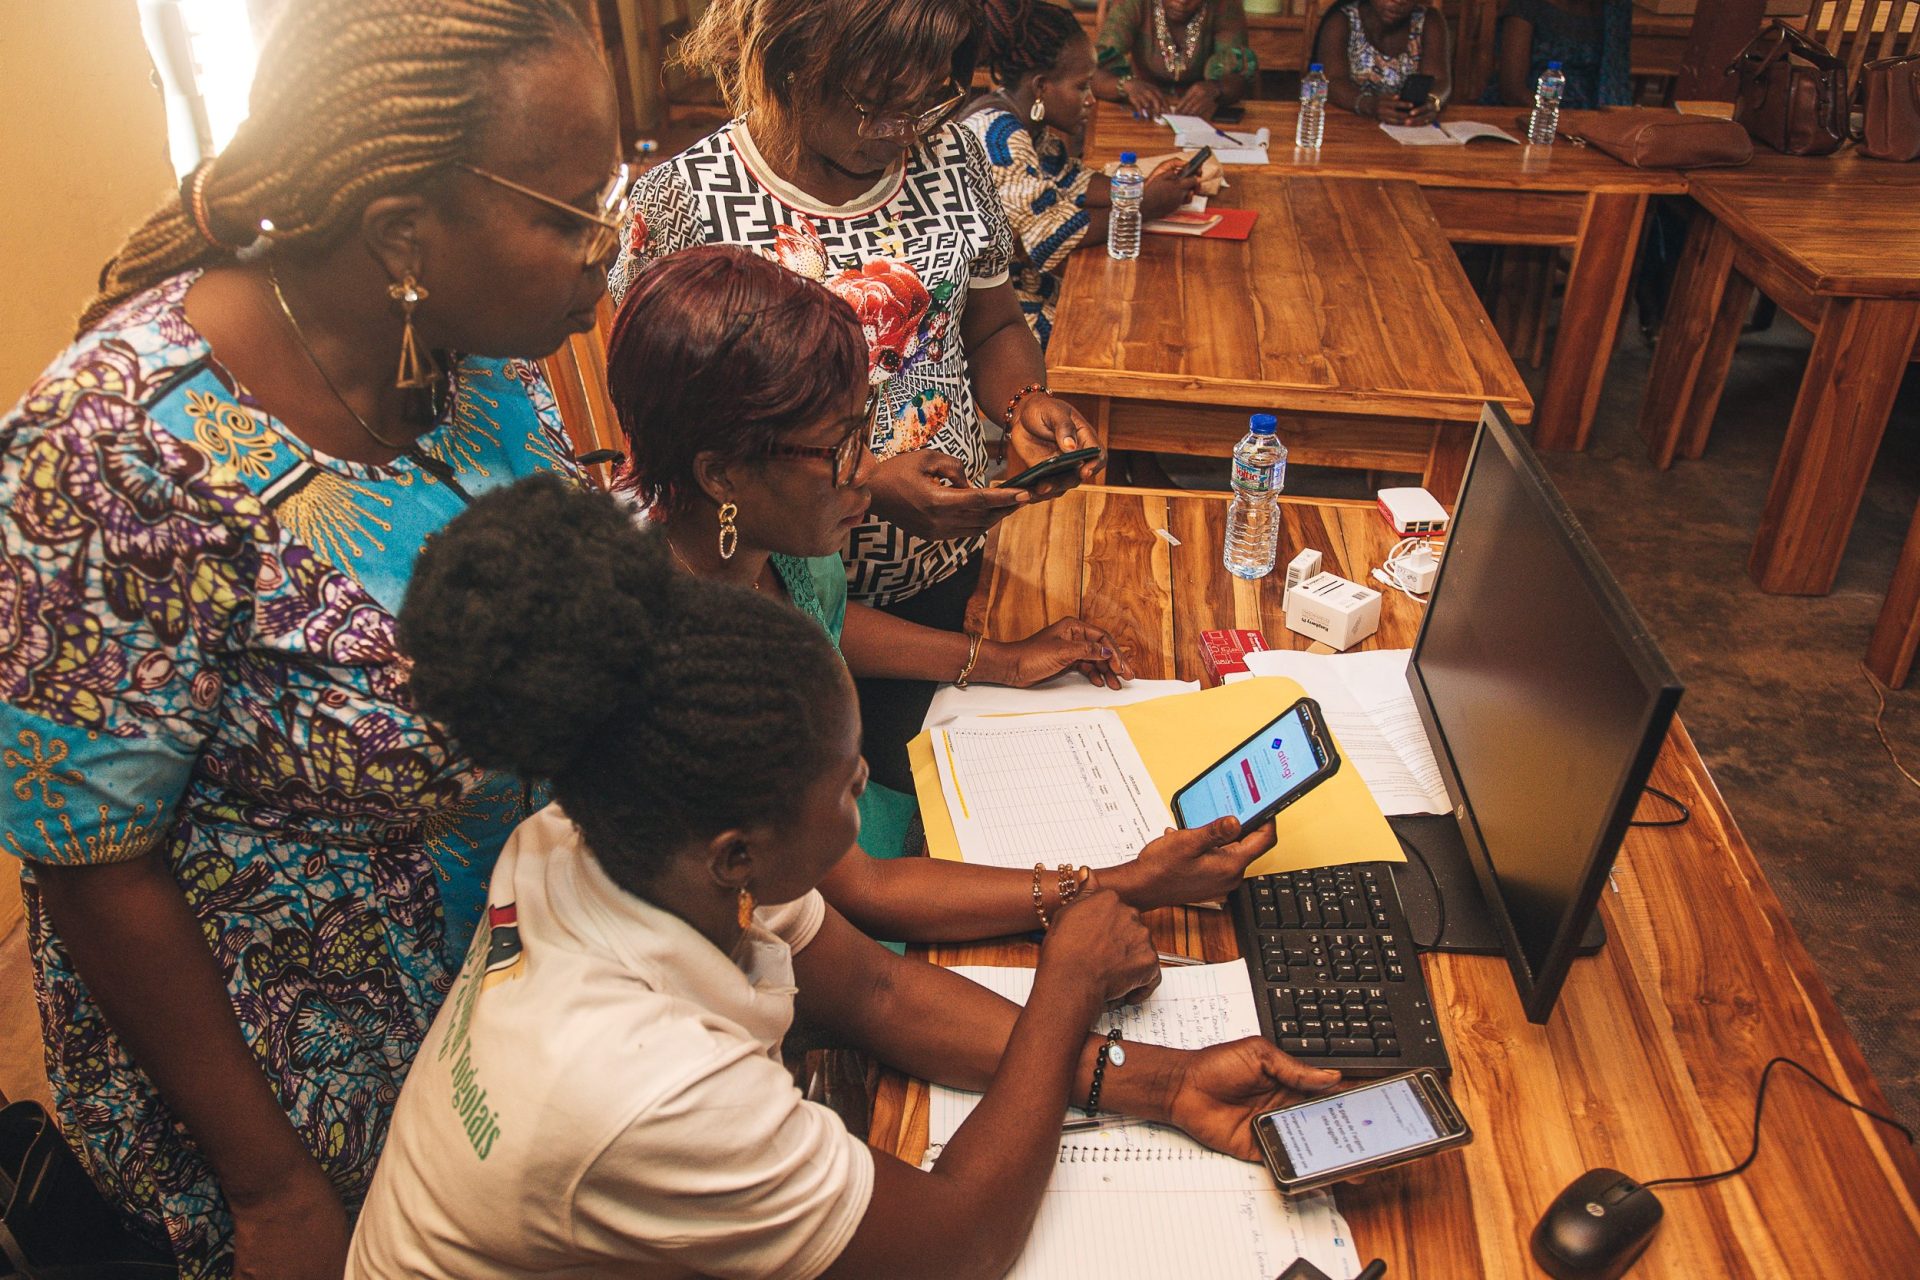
1126, 157
1314, 66
1263, 424
1553, 66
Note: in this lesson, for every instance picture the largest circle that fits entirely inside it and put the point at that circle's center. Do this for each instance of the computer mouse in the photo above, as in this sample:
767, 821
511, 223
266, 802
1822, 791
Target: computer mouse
1596, 1227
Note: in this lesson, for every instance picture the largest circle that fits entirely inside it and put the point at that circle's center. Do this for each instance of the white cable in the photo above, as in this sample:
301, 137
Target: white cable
1395, 573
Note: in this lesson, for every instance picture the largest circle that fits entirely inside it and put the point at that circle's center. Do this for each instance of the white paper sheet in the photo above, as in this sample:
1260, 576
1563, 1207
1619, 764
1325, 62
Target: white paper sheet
1367, 701
1452, 133
1066, 787
1069, 691
1229, 146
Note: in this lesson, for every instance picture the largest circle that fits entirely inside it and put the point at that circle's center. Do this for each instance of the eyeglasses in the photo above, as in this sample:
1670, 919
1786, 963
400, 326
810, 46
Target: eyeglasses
845, 456
604, 222
902, 126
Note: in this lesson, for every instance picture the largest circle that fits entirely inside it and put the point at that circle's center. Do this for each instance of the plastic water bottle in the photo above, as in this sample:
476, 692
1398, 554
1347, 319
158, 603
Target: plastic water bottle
1313, 109
1545, 122
1253, 521
1123, 219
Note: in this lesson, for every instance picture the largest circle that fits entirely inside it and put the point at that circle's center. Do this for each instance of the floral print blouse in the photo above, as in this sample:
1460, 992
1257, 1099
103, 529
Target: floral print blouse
197, 661
904, 254
1373, 70
1043, 191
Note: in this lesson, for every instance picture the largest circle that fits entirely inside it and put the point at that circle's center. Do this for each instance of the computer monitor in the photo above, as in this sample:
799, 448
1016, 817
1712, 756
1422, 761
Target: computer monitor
1546, 702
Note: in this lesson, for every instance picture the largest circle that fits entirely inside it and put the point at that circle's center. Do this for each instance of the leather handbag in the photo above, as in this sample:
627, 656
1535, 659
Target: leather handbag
1793, 93
1652, 139
54, 1224
1887, 95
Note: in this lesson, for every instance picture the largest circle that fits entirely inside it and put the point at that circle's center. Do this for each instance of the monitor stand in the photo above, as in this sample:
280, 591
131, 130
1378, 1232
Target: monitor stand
1469, 928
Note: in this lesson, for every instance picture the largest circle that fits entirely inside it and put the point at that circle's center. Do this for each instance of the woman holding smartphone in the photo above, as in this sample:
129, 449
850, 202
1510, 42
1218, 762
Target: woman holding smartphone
603, 1089
1372, 49
737, 382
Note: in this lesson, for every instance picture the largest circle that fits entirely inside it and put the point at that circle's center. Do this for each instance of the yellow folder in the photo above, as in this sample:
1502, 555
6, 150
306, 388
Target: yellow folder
1177, 737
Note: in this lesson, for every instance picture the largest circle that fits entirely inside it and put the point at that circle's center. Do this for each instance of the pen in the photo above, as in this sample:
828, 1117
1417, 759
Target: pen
1167, 957
1223, 133
1086, 1124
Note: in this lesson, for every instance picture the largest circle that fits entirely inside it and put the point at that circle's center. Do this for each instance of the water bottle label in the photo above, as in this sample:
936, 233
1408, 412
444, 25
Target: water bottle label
1249, 477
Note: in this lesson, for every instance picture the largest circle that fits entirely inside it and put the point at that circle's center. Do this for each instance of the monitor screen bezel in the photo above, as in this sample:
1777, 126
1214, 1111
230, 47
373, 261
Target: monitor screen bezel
1540, 990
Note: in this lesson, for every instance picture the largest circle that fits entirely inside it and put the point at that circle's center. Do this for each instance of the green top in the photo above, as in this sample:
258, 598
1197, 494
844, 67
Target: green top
1127, 44
817, 586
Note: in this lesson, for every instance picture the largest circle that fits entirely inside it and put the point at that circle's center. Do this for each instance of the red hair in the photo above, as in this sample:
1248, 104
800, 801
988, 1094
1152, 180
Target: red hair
719, 350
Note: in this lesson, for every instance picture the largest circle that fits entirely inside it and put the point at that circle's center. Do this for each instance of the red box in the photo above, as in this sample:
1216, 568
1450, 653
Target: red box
1225, 651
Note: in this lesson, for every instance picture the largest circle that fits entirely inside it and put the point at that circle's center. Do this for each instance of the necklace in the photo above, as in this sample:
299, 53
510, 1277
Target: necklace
1177, 60
691, 571
300, 337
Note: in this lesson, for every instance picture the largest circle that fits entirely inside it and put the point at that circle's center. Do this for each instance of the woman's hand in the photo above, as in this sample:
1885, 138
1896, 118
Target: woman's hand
1202, 98
1221, 1089
1146, 98
1397, 111
1101, 941
1068, 643
1189, 866
296, 1232
908, 490
1166, 190
1044, 425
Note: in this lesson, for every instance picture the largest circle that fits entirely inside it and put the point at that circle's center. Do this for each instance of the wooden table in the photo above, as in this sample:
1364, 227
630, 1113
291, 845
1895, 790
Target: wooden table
1486, 193
1835, 240
1650, 1061
1345, 313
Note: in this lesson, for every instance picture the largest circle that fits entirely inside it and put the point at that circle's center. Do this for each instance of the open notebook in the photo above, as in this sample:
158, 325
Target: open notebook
1137, 1200
1452, 133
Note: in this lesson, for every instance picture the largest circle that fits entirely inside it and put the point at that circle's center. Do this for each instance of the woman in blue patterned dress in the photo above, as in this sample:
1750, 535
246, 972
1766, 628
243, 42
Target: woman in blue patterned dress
251, 866
1370, 47
1042, 63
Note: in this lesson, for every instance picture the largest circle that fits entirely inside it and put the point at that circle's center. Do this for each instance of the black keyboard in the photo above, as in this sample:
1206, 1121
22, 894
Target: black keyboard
1334, 970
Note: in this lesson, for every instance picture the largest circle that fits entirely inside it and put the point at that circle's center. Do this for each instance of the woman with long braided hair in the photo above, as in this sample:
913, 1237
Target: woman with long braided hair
252, 865
1042, 66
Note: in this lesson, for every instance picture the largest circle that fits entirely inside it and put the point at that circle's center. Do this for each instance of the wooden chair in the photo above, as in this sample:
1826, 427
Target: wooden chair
1859, 30
578, 374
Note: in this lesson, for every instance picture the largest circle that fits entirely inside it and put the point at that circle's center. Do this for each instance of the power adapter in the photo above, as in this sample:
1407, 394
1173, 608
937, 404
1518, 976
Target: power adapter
1299, 569
1411, 568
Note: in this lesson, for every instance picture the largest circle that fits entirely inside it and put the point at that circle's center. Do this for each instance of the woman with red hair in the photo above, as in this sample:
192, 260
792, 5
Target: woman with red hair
741, 385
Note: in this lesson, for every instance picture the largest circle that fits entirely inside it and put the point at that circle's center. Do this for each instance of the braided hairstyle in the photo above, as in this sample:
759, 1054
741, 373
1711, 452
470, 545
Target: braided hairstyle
353, 100
719, 350
553, 637
1020, 37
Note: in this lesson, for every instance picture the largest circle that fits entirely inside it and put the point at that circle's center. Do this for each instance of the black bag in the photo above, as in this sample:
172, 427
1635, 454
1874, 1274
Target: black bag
55, 1225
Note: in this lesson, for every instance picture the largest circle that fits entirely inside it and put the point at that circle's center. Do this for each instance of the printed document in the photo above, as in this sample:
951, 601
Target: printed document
1367, 701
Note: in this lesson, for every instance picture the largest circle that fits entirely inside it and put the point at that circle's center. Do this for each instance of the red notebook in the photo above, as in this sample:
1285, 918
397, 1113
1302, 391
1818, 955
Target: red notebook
1214, 224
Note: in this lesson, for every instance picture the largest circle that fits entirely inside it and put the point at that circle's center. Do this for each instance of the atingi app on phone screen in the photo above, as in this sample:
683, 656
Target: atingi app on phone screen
1361, 1125
1250, 779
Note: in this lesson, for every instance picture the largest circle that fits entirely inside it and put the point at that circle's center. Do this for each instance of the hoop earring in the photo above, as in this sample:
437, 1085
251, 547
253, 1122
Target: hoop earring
743, 903
417, 368
729, 535
1037, 112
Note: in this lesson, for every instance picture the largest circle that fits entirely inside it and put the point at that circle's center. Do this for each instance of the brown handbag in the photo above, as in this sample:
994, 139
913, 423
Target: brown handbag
1647, 138
1887, 95
1793, 93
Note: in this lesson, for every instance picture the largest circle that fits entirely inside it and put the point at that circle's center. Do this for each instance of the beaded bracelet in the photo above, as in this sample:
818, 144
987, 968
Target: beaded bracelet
1013, 405
1110, 1052
1072, 882
1039, 896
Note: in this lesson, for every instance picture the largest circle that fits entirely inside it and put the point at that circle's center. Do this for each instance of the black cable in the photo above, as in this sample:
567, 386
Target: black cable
1759, 1105
1686, 814
1439, 899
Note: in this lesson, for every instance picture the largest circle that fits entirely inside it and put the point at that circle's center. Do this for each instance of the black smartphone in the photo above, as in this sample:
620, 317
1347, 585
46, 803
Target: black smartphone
1363, 1130
1229, 115
1282, 761
1192, 166
1048, 468
1416, 89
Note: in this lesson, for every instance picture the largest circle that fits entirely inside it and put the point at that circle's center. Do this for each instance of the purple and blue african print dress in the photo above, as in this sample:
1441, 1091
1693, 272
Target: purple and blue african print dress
197, 660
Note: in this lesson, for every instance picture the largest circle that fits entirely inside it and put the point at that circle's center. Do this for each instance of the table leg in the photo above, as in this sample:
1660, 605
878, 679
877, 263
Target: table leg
1447, 459
1589, 318
1897, 633
1681, 362
1859, 353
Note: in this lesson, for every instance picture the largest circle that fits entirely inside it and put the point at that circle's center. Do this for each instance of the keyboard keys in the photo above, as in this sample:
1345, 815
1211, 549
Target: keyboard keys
1387, 1048
1350, 1047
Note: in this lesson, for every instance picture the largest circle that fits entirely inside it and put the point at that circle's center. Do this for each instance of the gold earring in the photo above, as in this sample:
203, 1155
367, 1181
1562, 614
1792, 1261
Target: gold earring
417, 368
744, 902
729, 537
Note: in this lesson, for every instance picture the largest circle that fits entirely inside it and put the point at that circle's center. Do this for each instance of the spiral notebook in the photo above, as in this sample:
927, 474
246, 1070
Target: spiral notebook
1142, 1202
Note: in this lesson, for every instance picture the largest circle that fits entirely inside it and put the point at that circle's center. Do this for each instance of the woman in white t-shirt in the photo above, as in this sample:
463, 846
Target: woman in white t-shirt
602, 1094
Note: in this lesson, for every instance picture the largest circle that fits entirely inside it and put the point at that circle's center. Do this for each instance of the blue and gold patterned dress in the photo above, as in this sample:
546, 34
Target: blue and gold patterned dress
1043, 191
197, 660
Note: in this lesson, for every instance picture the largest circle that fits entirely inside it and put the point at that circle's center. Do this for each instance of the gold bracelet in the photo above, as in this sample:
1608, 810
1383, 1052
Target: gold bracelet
976, 639
1039, 896
1069, 885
